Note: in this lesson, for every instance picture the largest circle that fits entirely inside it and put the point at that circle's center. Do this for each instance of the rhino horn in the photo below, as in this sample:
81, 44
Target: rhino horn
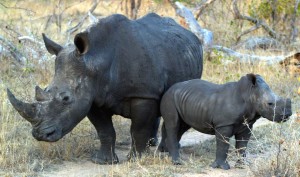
40, 94
26, 110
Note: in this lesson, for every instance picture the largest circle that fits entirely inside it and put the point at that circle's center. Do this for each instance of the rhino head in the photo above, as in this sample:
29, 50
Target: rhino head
266, 103
67, 100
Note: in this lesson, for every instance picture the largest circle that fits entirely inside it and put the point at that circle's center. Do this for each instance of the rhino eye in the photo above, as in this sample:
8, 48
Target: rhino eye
270, 104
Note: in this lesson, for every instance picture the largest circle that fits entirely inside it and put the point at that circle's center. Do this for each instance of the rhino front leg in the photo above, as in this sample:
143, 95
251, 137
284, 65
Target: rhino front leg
222, 136
102, 120
144, 113
241, 141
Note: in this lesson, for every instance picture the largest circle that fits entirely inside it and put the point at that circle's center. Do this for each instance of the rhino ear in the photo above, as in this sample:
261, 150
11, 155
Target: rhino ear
82, 43
51, 46
252, 78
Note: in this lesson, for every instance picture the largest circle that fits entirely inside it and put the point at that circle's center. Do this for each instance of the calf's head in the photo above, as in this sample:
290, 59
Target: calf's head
68, 98
265, 102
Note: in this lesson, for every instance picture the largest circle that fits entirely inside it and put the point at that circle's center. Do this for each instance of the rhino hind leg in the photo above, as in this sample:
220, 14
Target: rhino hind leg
153, 141
102, 121
173, 132
144, 113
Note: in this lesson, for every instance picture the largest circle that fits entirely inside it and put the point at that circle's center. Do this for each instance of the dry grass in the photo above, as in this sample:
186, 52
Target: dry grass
21, 154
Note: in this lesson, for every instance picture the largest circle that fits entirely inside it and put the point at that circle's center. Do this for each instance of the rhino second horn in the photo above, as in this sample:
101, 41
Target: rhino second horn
40, 94
26, 110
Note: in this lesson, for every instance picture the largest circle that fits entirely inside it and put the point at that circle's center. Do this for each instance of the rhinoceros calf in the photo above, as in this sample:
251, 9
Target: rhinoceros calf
220, 110
117, 66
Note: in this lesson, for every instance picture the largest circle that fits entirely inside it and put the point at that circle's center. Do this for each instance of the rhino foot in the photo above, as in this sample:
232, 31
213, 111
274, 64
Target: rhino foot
177, 162
221, 164
100, 157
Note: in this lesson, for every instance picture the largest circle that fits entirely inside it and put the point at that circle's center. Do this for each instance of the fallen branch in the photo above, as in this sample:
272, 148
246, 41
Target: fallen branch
251, 58
204, 35
31, 39
253, 43
92, 18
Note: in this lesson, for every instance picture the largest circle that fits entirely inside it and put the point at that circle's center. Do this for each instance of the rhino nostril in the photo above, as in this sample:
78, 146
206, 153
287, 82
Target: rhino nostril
270, 104
66, 98
50, 133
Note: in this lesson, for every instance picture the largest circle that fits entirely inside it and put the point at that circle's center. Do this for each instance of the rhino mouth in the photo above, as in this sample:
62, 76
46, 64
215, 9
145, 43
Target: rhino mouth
49, 134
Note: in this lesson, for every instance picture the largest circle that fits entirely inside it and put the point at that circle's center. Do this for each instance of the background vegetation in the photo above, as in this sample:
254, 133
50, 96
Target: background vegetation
273, 150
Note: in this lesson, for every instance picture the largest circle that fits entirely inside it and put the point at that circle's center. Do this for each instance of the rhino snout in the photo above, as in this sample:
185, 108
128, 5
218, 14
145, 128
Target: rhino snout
286, 109
49, 134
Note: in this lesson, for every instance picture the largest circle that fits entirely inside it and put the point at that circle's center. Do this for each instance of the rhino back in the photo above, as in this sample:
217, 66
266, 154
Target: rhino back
143, 58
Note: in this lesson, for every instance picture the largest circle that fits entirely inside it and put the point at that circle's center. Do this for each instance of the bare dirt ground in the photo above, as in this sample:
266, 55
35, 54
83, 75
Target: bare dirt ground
86, 168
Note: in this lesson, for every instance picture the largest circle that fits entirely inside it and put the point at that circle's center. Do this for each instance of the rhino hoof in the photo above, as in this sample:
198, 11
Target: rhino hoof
100, 158
222, 165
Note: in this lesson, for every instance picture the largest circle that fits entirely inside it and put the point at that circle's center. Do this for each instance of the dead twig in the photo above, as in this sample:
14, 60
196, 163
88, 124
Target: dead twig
202, 7
294, 32
13, 51
257, 22
19, 8
253, 28
75, 28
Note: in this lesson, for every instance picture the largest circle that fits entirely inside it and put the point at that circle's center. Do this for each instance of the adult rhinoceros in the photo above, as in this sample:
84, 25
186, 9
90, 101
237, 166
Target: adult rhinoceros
117, 66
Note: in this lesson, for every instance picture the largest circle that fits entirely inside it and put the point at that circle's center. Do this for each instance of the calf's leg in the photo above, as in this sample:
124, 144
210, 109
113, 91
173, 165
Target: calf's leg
241, 141
162, 147
222, 136
182, 129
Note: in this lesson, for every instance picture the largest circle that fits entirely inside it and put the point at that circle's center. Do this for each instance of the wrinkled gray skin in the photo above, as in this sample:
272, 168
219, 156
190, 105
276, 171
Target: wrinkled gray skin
117, 66
219, 110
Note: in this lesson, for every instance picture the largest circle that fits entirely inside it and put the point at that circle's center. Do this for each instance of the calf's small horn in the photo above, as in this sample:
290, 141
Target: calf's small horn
26, 110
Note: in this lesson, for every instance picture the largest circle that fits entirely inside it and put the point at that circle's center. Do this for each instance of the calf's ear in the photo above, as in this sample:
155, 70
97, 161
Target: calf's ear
51, 46
82, 43
252, 78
